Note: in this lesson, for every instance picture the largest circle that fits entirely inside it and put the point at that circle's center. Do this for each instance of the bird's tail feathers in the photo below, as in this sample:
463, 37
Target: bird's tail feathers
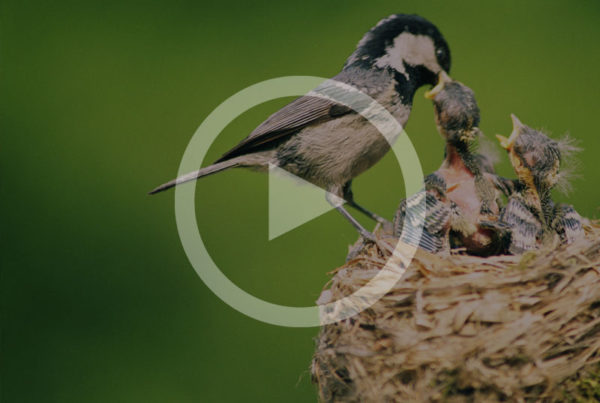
209, 170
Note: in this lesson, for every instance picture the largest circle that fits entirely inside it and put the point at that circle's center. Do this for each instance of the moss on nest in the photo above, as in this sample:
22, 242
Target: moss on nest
462, 328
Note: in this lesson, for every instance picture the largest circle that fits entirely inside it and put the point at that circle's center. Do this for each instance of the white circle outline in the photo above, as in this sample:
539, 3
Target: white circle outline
187, 224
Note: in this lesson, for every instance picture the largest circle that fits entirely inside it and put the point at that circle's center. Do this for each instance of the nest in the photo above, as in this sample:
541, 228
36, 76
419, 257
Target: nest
463, 328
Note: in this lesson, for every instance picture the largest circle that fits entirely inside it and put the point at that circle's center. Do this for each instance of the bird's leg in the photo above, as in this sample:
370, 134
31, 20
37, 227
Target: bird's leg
361, 230
336, 202
349, 198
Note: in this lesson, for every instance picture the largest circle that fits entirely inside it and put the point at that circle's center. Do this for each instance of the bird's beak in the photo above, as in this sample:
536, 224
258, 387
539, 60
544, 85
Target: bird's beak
503, 141
443, 78
508, 143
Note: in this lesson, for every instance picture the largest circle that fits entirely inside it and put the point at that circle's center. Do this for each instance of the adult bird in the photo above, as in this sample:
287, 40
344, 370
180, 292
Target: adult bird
329, 144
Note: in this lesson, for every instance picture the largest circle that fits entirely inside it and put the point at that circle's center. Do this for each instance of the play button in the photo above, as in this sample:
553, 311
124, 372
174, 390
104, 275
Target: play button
294, 201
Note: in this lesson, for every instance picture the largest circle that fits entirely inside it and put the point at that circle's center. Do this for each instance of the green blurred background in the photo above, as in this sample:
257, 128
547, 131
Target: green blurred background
98, 101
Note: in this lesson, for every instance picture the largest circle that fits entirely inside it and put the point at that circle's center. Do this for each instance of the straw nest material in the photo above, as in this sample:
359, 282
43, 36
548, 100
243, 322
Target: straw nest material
462, 328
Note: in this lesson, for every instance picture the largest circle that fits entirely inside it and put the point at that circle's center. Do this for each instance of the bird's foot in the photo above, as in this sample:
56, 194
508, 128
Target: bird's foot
367, 236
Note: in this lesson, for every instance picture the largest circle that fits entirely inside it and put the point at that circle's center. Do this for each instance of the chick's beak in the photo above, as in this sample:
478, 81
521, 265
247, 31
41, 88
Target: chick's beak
443, 78
503, 141
517, 125
508, 143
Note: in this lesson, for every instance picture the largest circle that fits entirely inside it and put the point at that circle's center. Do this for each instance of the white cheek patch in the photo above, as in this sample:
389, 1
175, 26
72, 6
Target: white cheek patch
410, 49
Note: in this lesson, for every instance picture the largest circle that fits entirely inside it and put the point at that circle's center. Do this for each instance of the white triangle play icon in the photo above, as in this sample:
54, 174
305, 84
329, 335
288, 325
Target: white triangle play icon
294, 201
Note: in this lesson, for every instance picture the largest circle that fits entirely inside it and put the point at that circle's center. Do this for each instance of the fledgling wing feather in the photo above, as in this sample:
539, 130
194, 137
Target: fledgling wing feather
429, 234
437, 216
567, 223
525, 226
290, 119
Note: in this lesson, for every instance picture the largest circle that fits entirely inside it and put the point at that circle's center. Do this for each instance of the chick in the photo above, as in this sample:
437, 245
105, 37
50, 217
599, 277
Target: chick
531, 214
469, 177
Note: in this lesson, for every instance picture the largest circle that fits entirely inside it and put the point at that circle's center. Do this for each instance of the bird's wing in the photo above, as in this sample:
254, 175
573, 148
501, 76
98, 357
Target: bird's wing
437, 218
567, 223
288, 120
525, 226
430, 234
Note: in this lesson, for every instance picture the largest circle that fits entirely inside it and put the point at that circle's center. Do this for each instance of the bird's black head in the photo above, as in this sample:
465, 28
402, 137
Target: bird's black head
456, 112
410, 45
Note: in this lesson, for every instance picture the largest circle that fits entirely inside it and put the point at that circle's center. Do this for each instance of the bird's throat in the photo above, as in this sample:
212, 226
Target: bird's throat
455, 160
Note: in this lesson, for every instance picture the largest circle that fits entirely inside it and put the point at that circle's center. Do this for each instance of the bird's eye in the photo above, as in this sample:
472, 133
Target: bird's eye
439, 52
